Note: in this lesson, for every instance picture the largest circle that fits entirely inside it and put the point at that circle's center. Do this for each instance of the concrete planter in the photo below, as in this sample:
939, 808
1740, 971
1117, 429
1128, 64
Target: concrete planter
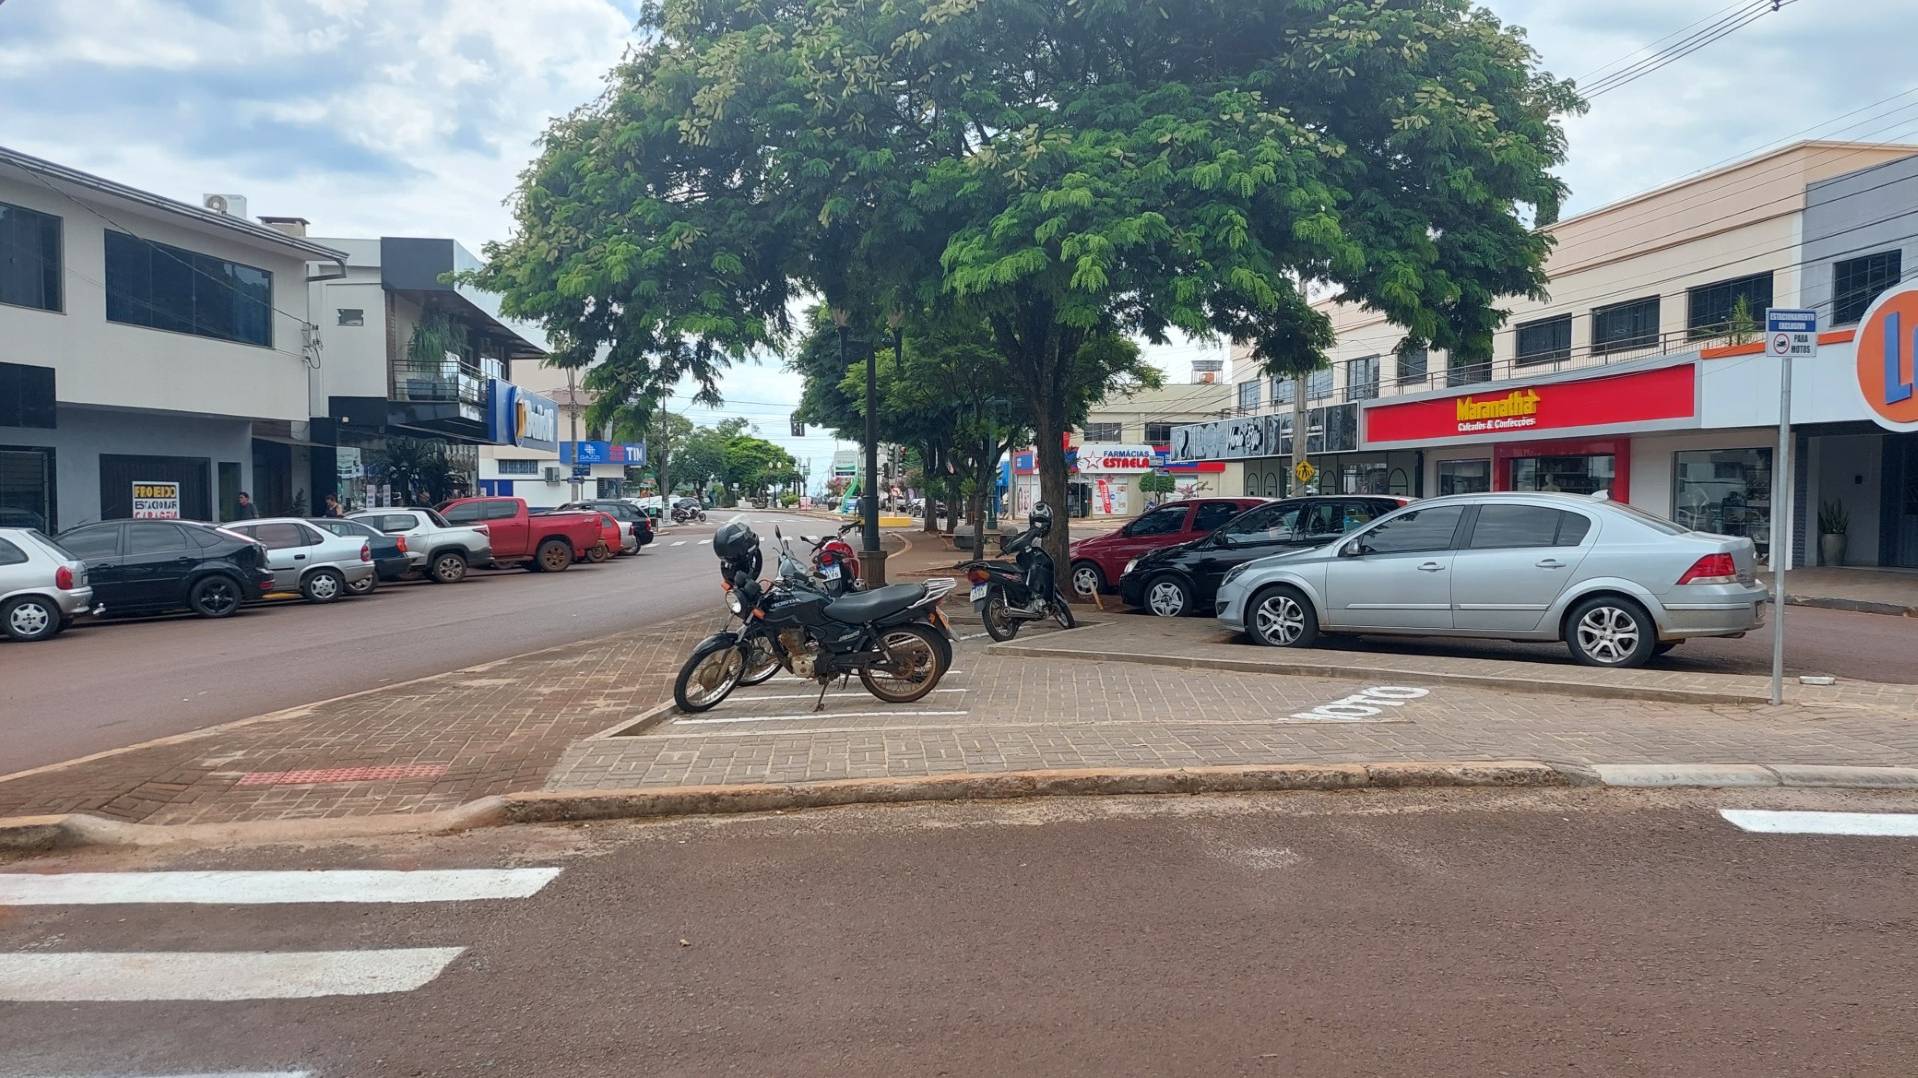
1831, 548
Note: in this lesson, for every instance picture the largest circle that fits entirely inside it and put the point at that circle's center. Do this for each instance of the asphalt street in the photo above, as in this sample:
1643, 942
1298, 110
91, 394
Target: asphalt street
113, 683
1466, 933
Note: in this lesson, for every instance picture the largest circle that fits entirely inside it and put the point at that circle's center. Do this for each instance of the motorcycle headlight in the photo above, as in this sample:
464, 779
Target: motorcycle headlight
734, 603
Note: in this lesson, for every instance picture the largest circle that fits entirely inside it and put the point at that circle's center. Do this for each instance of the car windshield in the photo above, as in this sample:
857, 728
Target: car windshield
1650, 520
1267, 522
347, 527
51, 544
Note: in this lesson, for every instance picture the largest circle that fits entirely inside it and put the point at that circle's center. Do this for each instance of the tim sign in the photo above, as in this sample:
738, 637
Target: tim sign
1662, 398
1887, 355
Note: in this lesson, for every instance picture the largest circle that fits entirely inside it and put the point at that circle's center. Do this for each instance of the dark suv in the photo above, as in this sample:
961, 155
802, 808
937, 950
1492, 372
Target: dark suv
1181, 579
148, 566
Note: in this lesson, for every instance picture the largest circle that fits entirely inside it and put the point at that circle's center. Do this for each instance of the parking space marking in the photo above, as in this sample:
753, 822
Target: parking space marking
815, 696
823, 715
126, 976
1863, 824
1363, 706
260, 888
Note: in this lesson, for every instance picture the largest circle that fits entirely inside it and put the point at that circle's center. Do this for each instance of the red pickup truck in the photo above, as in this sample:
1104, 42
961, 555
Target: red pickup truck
546, 542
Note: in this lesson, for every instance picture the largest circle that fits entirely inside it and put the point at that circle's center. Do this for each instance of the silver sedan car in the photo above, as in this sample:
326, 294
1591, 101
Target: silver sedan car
319, 565
1617, 584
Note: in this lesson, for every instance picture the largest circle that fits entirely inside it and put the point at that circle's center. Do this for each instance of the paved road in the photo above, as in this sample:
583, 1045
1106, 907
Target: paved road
116, 683
1392, 933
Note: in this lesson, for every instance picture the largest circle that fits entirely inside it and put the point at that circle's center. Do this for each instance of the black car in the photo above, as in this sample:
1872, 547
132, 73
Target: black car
390, 560
632, 517
148, 566
1180, 579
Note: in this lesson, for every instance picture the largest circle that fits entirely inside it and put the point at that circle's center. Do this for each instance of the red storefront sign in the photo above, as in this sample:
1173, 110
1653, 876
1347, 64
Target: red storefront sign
1503, 412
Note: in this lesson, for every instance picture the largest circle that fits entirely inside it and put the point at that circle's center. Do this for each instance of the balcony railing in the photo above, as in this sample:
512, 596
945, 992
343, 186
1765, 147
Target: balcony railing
1515, 369
447, 381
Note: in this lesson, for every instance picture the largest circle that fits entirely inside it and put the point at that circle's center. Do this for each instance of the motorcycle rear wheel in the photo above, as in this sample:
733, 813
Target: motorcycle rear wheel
917, 664
1000, 624
711, 674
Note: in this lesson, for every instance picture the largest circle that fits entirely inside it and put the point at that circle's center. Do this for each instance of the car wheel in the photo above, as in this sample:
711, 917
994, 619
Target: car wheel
553, 556
1087, 580
448, 568
31, 617
1167, 596
364, 587
1282, 618
214, 597
599, 554
1607, 630
323, 586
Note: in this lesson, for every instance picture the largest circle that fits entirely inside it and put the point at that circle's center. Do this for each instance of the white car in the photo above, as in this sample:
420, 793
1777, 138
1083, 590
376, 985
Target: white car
42, 585
446, 550
319, 565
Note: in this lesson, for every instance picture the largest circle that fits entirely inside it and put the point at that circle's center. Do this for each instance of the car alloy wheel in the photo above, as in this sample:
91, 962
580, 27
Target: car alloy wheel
1608, 634
215, 597
364, 586
1085, 580
1279, 620
1166, 597
449, 569
32, 619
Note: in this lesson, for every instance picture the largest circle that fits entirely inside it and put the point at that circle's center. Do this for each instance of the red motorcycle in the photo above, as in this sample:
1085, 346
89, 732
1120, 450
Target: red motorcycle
834, 562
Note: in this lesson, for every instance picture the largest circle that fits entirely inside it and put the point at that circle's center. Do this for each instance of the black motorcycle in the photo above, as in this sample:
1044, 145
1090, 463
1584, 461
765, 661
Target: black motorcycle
1008, 594
895, 638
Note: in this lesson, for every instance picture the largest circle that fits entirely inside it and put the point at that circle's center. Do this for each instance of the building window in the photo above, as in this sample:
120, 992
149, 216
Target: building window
1158, 433
1464, 477
1855, 282
518, 467
164, 287
1319, 384
29, 258
352, 316
27, 491
1412, 364
1248, 396
1282, 390
1564, 475
1710, 308
1548, 340
1725, 492
1625, 326
26, 396
1101, 432
1362, 378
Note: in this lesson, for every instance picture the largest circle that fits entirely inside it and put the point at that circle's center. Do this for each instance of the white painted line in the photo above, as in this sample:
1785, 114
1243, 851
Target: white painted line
204, 1074
102, 976
974, 636
682, 542
262, 888
815, 696
822, 715
1871, 824
703, 542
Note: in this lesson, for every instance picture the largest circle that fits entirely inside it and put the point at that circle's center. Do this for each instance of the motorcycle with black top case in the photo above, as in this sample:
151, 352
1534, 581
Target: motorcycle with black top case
895, 639
1008, 594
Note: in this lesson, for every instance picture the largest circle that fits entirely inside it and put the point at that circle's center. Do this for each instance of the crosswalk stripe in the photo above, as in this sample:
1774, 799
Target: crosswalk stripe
260, 888
1870, 824
703, 542
682, 542
211, 976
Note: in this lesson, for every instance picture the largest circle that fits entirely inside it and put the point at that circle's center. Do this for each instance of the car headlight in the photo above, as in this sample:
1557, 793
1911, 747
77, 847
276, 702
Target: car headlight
733, 602
1234, 572
1129, 566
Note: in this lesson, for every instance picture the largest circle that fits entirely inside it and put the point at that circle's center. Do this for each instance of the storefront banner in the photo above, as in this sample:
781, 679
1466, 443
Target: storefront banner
516, 416
1665, 397
1887, 359
1110, 459
595, 452
156, 501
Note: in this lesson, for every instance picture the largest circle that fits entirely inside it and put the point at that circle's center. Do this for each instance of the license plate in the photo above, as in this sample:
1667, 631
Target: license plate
978, 592
829, 572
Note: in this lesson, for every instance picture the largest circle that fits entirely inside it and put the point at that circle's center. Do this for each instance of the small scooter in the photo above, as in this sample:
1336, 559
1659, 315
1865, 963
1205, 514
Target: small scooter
1007, 595
682, 514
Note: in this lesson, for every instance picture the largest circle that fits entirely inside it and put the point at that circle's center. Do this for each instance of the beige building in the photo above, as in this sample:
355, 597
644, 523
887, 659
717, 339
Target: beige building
1128, 437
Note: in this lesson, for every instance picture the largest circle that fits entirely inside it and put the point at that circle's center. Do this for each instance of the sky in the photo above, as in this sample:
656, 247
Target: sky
414, 117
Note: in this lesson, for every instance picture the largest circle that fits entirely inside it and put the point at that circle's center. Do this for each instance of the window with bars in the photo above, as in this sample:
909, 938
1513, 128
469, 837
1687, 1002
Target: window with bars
1710, 307
1102, 432
1625, 326
1248, 396
1855, 282
1548, 340
1412, 364
518, 467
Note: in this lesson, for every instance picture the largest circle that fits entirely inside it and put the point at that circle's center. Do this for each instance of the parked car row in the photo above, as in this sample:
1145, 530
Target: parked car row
116, 567
1616, 584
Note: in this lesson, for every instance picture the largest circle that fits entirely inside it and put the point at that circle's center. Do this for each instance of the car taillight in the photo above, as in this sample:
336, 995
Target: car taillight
1711, 569
366, 552
63, 578
978, 576
401, 540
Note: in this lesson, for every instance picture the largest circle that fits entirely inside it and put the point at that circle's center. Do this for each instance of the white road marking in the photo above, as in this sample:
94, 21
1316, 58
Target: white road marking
126, 976
682, 542
974, 636
1872, 824
814, 696
205, 1074
260, 888
823, 715
703, 542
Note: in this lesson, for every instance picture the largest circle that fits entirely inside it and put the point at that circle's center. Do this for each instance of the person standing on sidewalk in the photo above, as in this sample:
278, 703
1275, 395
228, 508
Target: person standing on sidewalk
247, 510
333, 507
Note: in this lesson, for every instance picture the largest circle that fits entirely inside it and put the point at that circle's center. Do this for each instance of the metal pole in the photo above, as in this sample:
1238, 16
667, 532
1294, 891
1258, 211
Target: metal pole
870, 508
572, 404
1781, 531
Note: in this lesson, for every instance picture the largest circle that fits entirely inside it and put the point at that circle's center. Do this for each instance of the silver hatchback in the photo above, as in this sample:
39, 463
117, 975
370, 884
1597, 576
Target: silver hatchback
1617, 584
319, 565
43, 586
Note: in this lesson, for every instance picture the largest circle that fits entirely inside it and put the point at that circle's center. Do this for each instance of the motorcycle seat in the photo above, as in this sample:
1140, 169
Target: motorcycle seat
858, 608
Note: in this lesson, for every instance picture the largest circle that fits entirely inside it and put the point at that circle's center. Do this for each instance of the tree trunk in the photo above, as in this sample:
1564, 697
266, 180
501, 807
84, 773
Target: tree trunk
951, 498
934, 460
1049, 435
981, 490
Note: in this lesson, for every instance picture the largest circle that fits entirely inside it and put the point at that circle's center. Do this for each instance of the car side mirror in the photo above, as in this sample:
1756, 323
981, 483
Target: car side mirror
1351, 550
1220, 539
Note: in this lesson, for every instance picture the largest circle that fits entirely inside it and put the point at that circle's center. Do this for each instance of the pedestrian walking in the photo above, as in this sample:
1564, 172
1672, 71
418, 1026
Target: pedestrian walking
333, 506
247, 510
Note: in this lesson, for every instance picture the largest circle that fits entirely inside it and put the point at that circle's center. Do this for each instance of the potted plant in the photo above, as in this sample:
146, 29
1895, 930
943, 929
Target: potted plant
1833, 523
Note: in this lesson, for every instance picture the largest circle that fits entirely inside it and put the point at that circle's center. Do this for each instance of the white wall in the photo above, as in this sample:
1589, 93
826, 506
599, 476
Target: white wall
97, 362
83, 434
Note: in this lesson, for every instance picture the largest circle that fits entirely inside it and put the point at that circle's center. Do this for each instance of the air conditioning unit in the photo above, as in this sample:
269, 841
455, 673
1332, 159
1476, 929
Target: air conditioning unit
233, 205
552, 474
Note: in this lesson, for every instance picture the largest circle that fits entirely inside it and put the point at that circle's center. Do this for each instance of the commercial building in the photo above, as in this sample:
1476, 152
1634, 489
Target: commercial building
1642, 373
144, 341
593, 465
1125, 439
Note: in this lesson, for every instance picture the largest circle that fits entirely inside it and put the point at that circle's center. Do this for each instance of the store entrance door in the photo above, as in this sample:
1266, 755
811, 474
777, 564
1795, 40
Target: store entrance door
1078, 499
1902, 501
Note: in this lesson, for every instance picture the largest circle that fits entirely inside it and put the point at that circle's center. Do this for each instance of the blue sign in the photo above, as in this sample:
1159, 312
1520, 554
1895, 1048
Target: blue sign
520, 417
596, 452
1784, 320
581, 471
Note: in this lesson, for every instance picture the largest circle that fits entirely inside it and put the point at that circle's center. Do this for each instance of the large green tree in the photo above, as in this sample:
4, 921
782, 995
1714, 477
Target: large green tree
1063, 172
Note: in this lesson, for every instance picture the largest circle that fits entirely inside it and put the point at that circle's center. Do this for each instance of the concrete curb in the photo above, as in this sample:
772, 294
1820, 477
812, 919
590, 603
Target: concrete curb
1557, 685
1856, 606
30, 834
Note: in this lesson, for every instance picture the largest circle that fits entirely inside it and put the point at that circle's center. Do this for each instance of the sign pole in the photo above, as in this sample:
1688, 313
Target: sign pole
1789, 334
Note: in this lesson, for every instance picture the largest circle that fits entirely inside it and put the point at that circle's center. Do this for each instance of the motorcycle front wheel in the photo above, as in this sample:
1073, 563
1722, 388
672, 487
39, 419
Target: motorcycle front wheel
710, 674
1000, 624
914, 664
762, 662
1062, 612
